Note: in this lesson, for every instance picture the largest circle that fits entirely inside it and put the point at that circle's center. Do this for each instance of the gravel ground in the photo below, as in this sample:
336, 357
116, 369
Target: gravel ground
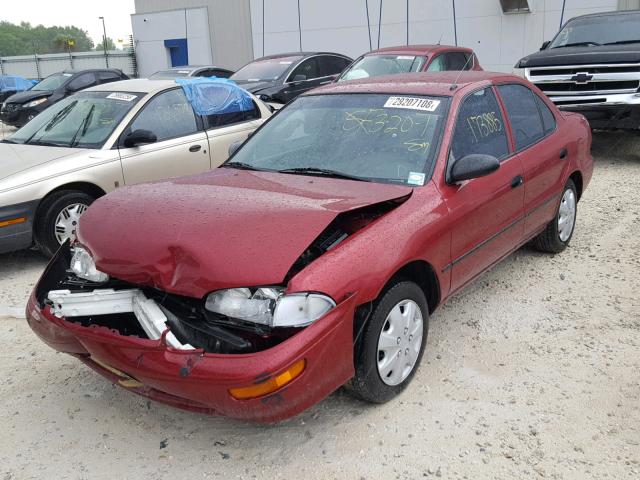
531, 372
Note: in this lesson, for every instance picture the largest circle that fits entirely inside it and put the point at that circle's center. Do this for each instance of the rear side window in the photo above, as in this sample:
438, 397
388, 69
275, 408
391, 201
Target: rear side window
106, 77
480, 127
526, 122
167, 115
332, 65
225, 119
451, 61
548, 120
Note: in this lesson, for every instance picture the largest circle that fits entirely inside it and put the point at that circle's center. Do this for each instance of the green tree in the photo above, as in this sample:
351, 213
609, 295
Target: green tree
25, 39
111, 45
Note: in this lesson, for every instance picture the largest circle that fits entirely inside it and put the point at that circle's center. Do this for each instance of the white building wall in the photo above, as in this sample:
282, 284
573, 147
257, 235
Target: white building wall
341, 25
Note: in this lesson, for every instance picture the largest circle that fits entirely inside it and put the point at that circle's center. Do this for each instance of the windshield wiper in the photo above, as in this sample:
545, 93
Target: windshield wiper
323, 172
241, 166
82, 129
621, 42
579, 44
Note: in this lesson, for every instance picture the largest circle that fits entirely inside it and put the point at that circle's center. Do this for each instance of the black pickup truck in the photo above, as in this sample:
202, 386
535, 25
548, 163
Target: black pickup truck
592, 66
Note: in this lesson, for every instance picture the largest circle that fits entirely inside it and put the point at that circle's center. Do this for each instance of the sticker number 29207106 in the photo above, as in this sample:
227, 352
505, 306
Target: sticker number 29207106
412, 103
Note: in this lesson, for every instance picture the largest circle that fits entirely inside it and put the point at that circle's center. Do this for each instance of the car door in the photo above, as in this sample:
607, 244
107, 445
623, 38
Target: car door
543, 153
181, 147
227, 128
302, 78
486, 212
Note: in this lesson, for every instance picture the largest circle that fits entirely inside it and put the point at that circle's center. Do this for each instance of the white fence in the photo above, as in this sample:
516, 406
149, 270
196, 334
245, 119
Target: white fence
40, 66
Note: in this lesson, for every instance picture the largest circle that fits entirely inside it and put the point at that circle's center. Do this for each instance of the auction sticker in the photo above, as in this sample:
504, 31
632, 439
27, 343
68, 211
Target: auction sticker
416, 178
412, 103
127, 97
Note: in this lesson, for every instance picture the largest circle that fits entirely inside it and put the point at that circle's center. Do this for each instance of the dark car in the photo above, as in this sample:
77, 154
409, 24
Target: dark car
21, 107
411, 58
192, 71
592, 66
281, 78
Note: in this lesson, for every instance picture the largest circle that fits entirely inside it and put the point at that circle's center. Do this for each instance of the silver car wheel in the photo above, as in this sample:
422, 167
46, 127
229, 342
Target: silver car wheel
567, 214
400, 342
67, 222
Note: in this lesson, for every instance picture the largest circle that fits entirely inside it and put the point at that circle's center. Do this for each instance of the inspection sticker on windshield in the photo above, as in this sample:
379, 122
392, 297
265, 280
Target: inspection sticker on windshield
412, 103
127, 97
416, 178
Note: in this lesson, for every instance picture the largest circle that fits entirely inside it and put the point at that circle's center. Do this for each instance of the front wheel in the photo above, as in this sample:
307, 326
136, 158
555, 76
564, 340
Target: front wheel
392, 344
559, 231
58, 218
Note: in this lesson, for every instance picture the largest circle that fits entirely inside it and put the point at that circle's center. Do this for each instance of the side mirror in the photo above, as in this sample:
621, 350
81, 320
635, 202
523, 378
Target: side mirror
473, 166
139, 137
299, 78
233, 148
545, 45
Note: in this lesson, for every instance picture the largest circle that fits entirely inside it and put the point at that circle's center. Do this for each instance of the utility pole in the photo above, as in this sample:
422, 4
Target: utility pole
104, 42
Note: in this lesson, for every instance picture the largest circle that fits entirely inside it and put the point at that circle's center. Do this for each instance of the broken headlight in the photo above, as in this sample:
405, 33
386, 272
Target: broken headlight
83, 266
269, 306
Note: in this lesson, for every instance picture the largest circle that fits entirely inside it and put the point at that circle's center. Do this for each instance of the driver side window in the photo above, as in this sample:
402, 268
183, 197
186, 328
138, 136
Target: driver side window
480, 127
167, 115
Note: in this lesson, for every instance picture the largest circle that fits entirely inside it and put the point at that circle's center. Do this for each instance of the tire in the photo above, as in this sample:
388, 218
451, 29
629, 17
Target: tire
378, 378
554, 239
48, 212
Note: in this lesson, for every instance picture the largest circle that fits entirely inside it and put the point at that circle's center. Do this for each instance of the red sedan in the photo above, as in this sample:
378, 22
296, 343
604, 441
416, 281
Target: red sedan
315, 256
411, 58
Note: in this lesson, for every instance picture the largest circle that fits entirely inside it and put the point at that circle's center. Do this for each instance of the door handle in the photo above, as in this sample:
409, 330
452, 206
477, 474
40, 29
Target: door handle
195, 148
563, 153
517, 181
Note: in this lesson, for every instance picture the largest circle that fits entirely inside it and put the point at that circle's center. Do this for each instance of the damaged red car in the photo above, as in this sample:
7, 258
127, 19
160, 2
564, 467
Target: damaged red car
315, 256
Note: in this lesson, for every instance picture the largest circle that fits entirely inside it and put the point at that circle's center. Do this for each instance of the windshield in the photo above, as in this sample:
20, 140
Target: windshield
52, 81
265, 70
169, 74
372, 137
601, 30
83, 120
375, 65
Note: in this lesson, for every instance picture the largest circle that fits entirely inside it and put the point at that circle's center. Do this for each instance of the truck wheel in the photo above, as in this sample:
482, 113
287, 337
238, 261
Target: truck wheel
559, 231
58, 217
392, 344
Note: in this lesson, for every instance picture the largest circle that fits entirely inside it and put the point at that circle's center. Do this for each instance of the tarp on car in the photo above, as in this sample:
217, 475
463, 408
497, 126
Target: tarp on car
211, 95
14, 83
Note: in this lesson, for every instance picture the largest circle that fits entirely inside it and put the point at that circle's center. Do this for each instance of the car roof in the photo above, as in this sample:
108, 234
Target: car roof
605, 14
425, 83
139, 85
418, 49
297, 54
86, 70
191, 68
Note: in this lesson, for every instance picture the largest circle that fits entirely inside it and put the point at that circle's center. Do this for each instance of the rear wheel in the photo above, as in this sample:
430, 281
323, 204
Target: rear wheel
392, 344
58, 218
559, 231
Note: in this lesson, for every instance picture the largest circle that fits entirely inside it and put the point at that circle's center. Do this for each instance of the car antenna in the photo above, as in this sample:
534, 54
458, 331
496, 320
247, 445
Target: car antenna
440, 39
454, 85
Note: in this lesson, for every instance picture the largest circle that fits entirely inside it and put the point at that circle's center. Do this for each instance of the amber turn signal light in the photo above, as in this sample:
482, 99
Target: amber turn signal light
13, 221
270, 385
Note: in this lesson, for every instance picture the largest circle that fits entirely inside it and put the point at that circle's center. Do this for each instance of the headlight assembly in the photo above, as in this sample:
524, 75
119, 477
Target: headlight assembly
269, 306
83, 266
35, 103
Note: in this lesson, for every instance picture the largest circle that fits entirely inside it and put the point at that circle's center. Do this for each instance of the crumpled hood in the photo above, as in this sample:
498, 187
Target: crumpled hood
222, 229
582, 56
24, 97
254, 87
16, 158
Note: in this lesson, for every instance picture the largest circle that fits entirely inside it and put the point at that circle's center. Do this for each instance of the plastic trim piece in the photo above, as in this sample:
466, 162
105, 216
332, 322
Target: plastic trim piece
109, 302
